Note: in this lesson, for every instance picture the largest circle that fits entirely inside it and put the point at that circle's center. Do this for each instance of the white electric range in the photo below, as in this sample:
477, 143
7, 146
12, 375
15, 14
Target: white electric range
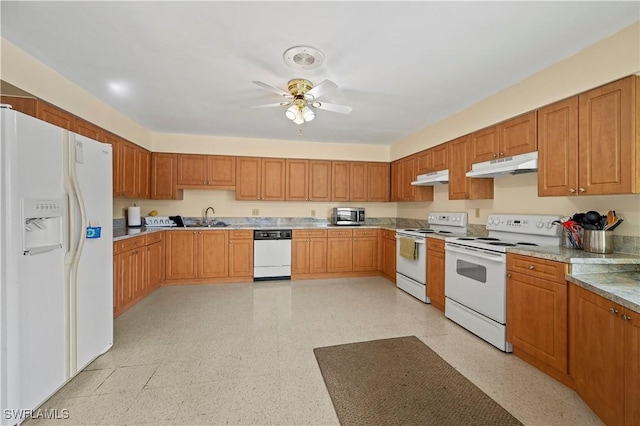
411, 274
476, 272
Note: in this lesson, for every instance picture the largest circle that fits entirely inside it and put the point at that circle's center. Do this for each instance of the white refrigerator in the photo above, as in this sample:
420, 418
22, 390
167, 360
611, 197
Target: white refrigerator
56, 259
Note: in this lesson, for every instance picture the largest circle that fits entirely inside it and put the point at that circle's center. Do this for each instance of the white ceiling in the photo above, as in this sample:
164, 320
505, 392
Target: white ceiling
187, 67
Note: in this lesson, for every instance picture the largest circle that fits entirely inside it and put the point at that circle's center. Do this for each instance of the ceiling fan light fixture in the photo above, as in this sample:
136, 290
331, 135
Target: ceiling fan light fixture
299, 118
307, 114
291, 112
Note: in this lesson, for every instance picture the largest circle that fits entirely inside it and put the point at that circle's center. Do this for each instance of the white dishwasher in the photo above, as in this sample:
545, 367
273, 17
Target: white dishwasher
272, 255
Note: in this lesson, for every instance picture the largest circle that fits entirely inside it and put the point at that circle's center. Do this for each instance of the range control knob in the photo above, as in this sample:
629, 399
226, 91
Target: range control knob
539, 224
549, 225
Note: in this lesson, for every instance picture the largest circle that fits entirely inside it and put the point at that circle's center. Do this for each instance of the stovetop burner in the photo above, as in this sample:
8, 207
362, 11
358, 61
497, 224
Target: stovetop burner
488, 239
522, 243
501, 243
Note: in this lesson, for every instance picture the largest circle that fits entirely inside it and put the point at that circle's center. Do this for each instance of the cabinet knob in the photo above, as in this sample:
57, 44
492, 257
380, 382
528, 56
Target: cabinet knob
466, 195
494, 155
613, 310
571, 190
581, 189
204, 182
625, 317
508, 275
531, 267
502, 154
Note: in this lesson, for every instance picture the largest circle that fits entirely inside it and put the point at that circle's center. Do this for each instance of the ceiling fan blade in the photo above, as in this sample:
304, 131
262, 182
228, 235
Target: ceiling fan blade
322, 88
342, 109
277, 104
271, 88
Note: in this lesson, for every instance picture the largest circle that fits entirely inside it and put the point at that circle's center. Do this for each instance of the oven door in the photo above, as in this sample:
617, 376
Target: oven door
476, 279
415, 269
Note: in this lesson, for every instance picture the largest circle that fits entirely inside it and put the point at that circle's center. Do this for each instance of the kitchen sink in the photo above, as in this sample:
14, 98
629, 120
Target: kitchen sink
211, 225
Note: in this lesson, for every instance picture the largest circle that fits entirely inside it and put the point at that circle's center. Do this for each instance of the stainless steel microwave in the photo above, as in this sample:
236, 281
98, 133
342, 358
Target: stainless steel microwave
347, 216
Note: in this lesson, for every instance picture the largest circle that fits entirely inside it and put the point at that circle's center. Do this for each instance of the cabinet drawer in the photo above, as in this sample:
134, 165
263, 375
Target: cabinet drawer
435, 245
299, 233
539, 268
365, 232
332, 233
391, 235
240, 234
128, 244
155, 237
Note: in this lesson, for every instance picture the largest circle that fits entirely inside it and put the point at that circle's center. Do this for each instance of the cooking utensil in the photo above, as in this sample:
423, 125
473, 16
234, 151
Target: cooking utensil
593, 217
615, 225
590, 226
611, 218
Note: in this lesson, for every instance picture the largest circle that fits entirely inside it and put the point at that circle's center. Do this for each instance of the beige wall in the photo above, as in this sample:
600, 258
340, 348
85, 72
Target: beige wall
32, 76
608, 60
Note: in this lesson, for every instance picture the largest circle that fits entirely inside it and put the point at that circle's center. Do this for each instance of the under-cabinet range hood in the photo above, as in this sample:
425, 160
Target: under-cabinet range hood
523, 163
430, 179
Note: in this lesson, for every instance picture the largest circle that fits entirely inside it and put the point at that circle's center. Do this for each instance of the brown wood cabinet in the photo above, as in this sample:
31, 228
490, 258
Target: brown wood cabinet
339, 250
460, 186
340, 180
23, 104
143, 167
537, 313
589, 144
517, 135
128, 170
260, 178
155, 259
378, 181
433, 159
605, 356
406, 170
388, 254
365, 250
206, 171
54, 115
241, 254
181, 255
164, 167
308, 252
136, 270
358, 181
308, 180
213, 254
435, 272
87, 129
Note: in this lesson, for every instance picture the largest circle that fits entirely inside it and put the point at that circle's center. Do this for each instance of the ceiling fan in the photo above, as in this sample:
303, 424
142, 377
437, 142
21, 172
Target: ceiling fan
302, 98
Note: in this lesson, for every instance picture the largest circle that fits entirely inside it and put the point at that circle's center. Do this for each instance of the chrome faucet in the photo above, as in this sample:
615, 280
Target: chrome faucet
206, 212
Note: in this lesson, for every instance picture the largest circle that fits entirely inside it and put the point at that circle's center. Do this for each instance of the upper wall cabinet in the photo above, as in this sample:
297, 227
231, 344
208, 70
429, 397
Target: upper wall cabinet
512, 137
460, 186
206, 171
260, 178
308, 180
588, 144
164, 169
359, 181
433, 159
403, 172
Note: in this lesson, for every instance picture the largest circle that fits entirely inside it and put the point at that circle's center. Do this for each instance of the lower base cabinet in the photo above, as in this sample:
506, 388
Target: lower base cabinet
537, 313
241, 254
138, 269
388, 254
435, 272
352, 250
308, 252
605, 356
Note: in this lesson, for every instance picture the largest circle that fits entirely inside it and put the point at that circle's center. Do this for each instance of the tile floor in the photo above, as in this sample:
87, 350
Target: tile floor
242, 354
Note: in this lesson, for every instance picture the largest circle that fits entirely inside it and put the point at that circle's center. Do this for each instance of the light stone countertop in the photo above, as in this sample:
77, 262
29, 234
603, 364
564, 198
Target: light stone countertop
622, 288
576, 256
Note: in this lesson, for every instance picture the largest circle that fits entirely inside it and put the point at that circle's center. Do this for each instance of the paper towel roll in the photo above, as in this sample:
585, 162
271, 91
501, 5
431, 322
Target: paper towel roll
133, 217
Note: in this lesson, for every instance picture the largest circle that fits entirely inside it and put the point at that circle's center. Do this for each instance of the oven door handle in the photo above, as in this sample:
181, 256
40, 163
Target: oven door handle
415, 241
494, 257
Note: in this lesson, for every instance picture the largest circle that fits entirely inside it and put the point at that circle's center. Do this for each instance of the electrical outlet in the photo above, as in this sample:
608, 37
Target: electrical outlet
313, 213
477, 212
255, 212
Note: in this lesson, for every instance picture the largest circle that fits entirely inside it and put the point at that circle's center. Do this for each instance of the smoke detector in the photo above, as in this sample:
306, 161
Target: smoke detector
303, 57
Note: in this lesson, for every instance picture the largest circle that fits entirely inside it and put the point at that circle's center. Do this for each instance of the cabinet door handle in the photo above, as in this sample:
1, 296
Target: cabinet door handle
581, 190
625, 317
494, 154
531, 267
502, 154
571, 190
508, 275
613, 310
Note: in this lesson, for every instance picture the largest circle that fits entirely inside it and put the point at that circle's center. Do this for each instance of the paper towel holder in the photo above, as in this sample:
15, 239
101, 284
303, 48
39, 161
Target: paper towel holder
133, 217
